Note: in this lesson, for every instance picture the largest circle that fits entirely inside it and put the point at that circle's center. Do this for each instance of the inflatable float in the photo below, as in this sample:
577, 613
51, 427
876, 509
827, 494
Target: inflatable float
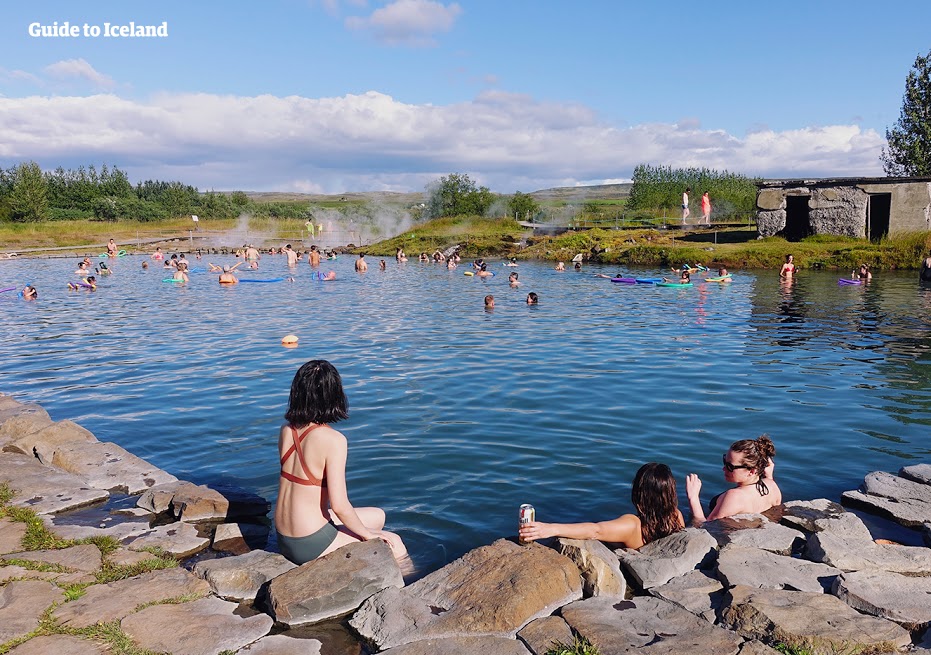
268, 281
7, 289
469, 273
674, 284
171, 279
845, 280
624, 280
720, 278
648, 280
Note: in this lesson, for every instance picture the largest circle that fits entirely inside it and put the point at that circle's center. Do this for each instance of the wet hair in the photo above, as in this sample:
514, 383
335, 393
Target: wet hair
484, 267
489, 300
654, 496
532, 297
756, 454
30, 291
317, 395
513, 275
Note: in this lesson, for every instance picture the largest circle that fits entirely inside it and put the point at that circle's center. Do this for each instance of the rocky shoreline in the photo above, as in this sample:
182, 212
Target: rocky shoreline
111, 529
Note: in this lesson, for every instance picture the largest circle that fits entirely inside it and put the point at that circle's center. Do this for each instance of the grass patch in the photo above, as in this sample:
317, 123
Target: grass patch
43, 567
177, 600
477, 237
37, 537
579, 646
833, 649
77, 233
110, 634
112, 572
6, 494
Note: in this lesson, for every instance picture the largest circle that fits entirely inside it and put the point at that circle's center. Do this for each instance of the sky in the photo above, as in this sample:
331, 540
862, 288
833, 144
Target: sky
332, 96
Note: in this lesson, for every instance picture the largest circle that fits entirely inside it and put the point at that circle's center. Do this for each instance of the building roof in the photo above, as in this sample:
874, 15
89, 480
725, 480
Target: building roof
841, 181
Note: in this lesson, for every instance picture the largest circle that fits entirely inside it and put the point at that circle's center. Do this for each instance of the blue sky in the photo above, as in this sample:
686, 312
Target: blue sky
358, 95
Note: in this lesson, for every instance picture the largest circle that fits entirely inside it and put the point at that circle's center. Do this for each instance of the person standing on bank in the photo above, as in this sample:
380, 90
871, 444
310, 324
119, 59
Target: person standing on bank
685, 204
313, 515
705, 208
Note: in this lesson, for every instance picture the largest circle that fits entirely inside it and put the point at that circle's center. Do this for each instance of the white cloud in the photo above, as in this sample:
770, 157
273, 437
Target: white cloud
79, 68
408, 22
20, 76
374, 142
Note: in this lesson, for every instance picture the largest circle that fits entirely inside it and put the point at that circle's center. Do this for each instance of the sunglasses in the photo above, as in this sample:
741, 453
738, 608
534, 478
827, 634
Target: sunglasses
730, 467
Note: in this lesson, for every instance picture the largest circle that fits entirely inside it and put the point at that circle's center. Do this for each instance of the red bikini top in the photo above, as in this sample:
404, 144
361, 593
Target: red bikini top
310, 481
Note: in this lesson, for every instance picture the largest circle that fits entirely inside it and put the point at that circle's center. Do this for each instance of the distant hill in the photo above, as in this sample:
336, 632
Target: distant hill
567, 194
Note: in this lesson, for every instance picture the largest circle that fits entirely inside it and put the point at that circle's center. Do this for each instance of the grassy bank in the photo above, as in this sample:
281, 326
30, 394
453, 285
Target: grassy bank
734, 247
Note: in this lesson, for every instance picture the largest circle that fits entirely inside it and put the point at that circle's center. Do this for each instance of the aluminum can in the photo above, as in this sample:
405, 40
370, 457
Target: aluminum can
526, 514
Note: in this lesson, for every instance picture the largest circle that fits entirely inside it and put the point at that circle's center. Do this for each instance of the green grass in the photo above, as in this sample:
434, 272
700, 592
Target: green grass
832, 649
579, 646
477, 237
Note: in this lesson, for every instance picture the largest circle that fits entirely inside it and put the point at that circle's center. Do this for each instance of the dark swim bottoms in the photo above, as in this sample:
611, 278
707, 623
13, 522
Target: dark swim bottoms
304, 549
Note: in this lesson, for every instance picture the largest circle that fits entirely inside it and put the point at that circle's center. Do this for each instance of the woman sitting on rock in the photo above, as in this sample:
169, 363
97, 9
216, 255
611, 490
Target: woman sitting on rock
748, 465
653, 496
314, 516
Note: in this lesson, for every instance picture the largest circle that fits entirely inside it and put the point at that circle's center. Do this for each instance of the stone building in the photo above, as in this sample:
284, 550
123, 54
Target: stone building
865, 207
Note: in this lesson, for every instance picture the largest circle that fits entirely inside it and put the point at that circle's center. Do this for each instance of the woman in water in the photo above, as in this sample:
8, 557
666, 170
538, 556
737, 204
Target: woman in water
312, 492
863, 273
749, 467
654, 498
788, 269
925, 275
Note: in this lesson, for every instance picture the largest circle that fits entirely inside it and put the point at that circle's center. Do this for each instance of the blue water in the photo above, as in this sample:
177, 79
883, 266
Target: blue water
459, 415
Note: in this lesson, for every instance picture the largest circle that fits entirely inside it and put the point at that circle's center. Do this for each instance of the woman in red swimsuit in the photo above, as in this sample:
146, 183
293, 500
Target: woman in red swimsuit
314, 516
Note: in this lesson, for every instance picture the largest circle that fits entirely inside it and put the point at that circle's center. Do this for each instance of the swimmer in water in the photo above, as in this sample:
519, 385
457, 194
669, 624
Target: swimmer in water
484, 272
82, 269
532, 298
314, 257
513, 262
361, 265
181, 274
145, 265
30, 293
863, 273
578, 266
157, 255
685, 278
451, 264
227, 277
512, 279
560, 266
489, 302
381, 265
788, 269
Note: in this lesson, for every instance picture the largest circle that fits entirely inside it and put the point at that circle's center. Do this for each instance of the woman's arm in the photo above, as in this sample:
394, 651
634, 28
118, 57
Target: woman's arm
623, 530
335, 471
692, 490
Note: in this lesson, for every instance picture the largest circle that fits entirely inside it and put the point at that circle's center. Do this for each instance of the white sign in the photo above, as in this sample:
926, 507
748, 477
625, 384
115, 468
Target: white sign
194, 218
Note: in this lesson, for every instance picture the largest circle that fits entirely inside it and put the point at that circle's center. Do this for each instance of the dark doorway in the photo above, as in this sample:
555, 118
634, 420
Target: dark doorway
798, 221
877, 215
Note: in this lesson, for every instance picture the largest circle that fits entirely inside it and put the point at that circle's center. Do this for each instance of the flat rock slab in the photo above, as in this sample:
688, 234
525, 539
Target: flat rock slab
647, 626
119, 529
203, 627
334, 584
109, 466
13, 572
64, 644
752, 567
664, 559
42, 443
850, 555
600, 568
798, 618
240, 538
124, 557
178, 539
696, 591
22, 603
113, 601
85, 558
240, 577
44, 489
905, 600
802, 514
494, 590
282, 645
462, 646
16, 419
542, 634
755, 531
917, 473
757, 648
904, 501
11, 536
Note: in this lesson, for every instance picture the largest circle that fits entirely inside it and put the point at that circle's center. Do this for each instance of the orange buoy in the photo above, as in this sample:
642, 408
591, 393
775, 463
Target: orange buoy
289, 340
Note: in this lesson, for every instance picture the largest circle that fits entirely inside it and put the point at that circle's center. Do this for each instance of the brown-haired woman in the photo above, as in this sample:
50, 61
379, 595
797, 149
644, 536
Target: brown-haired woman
653, 496
748, 464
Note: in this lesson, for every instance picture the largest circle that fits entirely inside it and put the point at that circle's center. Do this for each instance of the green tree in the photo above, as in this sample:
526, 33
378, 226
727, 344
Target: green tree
457, 195
909, 141
29, 195
523, 206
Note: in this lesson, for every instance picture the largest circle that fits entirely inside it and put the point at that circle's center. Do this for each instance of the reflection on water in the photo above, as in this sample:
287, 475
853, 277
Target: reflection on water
457, 415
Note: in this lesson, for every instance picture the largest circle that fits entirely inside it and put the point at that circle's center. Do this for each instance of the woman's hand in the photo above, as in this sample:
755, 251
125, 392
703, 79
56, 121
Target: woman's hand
692, 486
535, 530
398, 549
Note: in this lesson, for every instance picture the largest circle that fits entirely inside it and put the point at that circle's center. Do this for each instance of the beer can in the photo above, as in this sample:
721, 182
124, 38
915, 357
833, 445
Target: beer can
526, 514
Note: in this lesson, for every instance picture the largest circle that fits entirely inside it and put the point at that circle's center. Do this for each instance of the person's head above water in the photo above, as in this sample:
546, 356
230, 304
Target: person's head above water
512, 276
317, 395
752, 456
489, 301
532, 298
654, 496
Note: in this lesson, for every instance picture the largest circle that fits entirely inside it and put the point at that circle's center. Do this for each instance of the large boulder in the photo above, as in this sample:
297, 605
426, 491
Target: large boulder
15, 425
647, 626
22, 604
494, 590
752, 567
802, 514
44, 489
196, 503
109, 466
902, 500
202, 627
917, 473
696, 591
844, 542
282, 645
60, 644
43, 442
664, 559
798, 618
178, 539
903, 599
104, 603
240, 577
600, 568
334, 584
240, 538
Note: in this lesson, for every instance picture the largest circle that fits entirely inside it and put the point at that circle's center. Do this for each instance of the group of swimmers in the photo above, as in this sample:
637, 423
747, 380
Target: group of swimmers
313, 515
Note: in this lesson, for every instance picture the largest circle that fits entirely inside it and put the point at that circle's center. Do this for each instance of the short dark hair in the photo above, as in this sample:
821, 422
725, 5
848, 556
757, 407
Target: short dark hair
317, 395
